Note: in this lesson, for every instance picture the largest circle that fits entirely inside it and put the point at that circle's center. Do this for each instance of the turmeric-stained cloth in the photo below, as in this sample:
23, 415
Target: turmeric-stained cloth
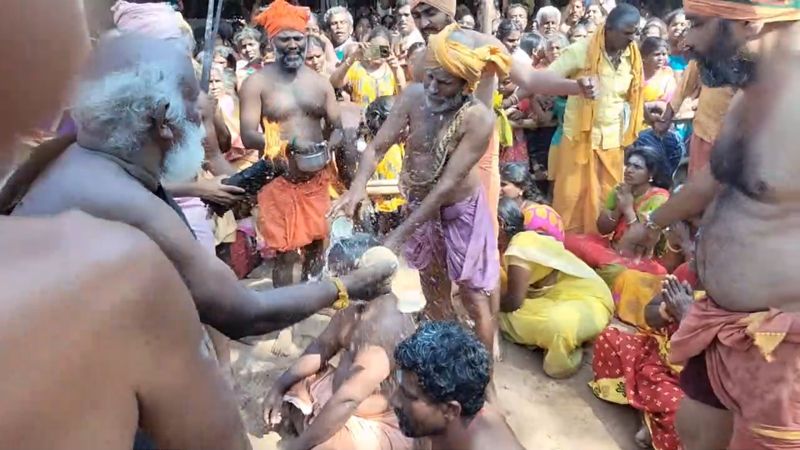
661, 86
378, 432
365, 87
389, 169
558, 318
462, 61
589, 160
598, 251
752, 364
292, 215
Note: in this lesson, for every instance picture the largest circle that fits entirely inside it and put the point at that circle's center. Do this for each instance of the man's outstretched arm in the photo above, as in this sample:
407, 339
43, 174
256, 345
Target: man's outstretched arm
222, 301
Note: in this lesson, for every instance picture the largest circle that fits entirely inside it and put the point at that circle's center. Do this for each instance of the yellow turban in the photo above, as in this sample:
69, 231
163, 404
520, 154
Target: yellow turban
747, 10
446, 6
462, 61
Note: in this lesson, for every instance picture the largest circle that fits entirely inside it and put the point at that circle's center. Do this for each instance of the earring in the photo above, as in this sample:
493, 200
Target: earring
651, 179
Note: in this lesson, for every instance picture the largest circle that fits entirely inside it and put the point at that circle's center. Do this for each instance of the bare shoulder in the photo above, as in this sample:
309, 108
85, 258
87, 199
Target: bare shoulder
492, 431
114, 262
479, 120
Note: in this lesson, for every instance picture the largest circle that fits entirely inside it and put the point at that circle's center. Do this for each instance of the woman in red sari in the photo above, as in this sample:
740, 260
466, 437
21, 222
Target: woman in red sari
633, 368
645, 188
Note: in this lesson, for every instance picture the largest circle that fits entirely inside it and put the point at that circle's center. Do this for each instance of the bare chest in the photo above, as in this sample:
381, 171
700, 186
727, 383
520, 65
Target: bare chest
746, 253
293, 102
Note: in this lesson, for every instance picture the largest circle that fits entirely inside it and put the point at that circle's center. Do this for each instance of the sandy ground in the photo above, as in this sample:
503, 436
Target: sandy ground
546, 414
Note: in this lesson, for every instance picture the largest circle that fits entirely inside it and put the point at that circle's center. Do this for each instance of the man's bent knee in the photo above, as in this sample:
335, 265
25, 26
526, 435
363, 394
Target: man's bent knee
703, 427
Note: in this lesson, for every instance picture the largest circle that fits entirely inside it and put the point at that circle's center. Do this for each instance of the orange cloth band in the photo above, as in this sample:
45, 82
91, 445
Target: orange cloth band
747, 10
446, 6
281, 16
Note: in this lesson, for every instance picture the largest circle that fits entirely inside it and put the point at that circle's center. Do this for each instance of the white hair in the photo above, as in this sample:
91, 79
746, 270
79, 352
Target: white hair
118, 110
337, 10
547, 12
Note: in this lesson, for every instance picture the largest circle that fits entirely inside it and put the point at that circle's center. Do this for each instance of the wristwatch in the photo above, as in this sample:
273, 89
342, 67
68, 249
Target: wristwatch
343, 301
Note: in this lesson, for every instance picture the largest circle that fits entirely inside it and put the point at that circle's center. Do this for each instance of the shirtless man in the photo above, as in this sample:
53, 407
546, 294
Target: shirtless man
734, 397
130, 353
442, 374
442, 188
296, 99
347, 405
148, 86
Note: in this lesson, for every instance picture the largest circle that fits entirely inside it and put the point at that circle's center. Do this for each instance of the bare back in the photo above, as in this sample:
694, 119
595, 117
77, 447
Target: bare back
100, 336
83, 180
371, 331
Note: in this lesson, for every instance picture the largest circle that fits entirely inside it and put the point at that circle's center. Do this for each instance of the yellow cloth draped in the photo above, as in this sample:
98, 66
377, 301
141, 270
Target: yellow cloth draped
588, 163
462, 61
389, 169
746, 10
561, 317
596, 54
503, 124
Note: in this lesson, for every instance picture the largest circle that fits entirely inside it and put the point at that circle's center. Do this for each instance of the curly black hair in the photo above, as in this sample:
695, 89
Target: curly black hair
450, 362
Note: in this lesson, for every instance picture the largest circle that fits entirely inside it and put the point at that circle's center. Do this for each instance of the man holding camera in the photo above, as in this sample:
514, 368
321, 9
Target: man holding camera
296, 100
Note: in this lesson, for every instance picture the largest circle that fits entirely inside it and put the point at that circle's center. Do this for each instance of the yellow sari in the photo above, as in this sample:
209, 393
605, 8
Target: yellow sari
561, 317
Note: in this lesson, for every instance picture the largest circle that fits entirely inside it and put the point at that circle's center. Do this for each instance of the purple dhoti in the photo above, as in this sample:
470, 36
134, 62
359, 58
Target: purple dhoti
463, 237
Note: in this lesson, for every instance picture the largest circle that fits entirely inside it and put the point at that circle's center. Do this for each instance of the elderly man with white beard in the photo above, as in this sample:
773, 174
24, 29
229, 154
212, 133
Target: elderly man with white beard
138, 124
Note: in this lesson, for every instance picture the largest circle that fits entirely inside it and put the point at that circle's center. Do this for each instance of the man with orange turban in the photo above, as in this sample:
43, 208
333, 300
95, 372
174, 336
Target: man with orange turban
291, 101
740, 346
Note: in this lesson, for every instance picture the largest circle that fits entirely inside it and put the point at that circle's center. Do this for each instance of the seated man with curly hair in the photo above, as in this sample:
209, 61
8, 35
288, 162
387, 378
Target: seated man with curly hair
442, 374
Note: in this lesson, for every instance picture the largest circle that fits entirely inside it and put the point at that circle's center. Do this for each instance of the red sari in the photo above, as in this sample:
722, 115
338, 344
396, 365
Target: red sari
633, 369
598, 251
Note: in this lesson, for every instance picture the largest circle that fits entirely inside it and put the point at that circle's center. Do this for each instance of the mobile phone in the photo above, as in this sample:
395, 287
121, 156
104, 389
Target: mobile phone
372, 52
384, 51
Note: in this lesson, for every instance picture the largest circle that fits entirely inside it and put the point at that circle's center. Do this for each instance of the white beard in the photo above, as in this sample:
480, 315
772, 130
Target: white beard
185, 159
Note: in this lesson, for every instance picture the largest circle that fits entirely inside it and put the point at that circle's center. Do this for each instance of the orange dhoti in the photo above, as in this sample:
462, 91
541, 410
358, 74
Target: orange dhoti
753, 364
292, 215
584, 177
377, 432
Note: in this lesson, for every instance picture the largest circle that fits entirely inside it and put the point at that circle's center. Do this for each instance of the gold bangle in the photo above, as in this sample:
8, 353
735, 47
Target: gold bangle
343, 300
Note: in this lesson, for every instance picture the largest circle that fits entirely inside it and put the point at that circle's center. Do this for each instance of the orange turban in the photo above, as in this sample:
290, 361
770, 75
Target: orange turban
748, 10
446, 6
280, 16
462, 61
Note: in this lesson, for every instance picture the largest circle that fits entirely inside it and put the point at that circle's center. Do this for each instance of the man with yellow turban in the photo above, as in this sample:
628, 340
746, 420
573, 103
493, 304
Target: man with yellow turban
291, 101
448, 234
739, 346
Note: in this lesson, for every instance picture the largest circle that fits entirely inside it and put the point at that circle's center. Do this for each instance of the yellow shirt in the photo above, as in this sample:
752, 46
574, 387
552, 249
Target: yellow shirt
712, 104
607, 129
365, 88
389, 169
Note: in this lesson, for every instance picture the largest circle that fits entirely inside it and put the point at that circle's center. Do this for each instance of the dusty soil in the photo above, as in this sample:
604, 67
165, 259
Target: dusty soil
546, 414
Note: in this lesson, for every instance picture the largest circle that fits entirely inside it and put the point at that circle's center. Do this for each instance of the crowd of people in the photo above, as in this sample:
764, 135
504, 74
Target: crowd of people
590, 181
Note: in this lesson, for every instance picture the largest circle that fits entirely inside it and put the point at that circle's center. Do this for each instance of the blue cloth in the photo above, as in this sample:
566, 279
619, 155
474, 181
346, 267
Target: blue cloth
670, 145
678, 63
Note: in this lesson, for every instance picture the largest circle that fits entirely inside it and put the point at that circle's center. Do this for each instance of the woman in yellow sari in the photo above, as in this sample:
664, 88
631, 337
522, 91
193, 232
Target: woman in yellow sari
551, 299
